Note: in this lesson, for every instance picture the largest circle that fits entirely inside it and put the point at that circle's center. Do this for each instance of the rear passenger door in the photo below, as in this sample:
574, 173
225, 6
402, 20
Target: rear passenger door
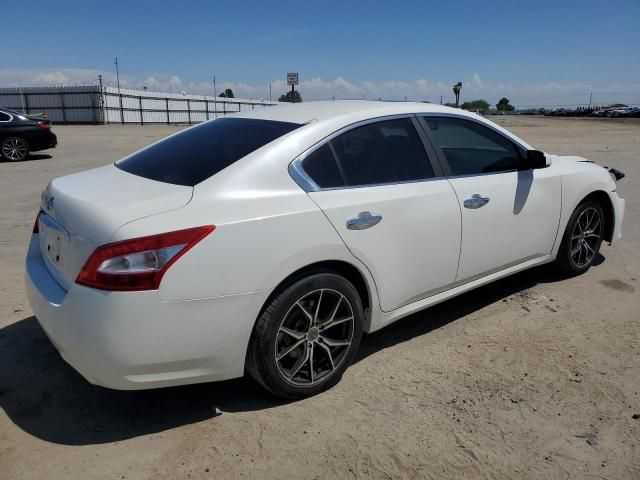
390, 204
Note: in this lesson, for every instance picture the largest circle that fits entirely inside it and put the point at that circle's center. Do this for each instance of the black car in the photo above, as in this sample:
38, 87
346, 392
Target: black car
21, 134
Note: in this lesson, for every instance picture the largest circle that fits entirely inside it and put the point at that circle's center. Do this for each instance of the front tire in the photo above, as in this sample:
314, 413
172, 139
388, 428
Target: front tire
582, 239
14, 149
307, 336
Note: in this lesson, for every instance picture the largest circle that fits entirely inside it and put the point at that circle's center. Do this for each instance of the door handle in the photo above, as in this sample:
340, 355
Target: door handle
476, 201
363, 221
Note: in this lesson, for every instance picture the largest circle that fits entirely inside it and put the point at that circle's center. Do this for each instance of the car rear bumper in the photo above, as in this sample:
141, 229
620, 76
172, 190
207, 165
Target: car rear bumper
47, 139
135, 340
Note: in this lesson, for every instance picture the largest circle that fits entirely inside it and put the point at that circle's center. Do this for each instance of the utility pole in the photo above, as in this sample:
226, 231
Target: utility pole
119, 94
590, 98
215, 99
117, 74
269, 92
440, 99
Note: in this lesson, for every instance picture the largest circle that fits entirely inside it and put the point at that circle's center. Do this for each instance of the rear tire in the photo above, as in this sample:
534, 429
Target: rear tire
582, 239
306, 336
14, 149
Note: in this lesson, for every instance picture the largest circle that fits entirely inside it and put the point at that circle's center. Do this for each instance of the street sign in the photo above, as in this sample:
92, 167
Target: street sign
292, 79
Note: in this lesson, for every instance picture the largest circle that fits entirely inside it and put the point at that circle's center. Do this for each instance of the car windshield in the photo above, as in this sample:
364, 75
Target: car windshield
198, 153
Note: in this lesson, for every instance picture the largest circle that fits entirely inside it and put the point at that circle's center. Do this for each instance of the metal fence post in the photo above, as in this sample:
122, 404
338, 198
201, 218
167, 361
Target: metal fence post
206, 107
121, 110
167, 104
103, 108
189, 110
140, 106
64, 116
94, 111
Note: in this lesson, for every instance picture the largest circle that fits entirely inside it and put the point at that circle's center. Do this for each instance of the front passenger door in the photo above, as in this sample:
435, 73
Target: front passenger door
509, 215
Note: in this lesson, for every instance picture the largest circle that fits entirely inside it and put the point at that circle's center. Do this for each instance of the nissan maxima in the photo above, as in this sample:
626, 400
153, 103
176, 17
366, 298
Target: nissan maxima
268, 241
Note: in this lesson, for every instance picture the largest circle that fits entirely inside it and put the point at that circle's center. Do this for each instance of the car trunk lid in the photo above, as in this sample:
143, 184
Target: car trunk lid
82, 211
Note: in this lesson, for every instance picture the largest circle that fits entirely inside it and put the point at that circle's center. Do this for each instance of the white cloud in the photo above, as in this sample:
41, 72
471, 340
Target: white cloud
317, 88
476, 82
51, 78
175, 84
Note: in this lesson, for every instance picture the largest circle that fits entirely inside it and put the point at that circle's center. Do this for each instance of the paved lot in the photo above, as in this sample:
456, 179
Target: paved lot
531, 377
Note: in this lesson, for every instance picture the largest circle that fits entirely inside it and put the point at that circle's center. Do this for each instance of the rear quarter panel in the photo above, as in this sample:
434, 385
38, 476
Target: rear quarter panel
261, 237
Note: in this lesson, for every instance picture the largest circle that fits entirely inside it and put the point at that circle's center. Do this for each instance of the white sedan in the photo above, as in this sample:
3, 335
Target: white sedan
270, 240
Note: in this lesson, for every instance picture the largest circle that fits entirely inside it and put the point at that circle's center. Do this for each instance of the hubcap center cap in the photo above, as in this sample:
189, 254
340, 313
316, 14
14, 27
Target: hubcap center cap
313, 334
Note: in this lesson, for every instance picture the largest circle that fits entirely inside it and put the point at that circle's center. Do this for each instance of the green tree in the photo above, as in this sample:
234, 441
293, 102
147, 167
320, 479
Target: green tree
228, 93
479, 105
503, 105
291, 96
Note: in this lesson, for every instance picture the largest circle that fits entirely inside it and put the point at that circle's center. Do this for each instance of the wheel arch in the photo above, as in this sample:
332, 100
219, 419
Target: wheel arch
601, 197
345, 269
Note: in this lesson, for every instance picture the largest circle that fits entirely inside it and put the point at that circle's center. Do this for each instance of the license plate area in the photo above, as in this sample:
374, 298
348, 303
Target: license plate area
54, 240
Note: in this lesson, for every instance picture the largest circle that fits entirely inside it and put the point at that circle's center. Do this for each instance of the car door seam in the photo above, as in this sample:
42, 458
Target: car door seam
455, 279
558, 233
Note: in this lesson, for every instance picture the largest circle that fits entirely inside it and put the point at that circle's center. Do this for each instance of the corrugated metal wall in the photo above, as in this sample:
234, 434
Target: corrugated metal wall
61, 104
90, 104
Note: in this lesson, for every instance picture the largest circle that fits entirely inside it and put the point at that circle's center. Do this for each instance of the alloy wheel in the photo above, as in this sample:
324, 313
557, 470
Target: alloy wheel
586, 236
314, 337
15, 149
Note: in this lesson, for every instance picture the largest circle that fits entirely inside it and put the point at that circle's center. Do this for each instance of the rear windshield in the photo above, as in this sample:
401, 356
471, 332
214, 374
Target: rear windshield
200, 152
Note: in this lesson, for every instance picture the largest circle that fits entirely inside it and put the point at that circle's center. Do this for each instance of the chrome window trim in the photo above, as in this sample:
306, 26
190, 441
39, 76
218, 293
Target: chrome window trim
10, 118
299, 176
308, 185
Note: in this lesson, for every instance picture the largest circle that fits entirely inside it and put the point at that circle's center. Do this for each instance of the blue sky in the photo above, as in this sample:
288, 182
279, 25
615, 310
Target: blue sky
533, 52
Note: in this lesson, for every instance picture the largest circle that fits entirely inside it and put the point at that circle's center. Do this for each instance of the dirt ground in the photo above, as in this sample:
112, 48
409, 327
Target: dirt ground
532, 377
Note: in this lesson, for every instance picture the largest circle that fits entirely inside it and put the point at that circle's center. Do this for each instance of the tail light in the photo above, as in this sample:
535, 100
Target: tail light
36, 224
43, 125
139, 263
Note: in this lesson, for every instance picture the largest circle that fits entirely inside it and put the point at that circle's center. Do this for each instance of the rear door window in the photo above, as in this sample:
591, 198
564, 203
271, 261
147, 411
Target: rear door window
378, 153
200, 152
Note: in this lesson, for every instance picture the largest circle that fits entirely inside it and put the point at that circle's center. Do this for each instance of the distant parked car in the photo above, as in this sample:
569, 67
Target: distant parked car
625, 112
21, 134
604, 112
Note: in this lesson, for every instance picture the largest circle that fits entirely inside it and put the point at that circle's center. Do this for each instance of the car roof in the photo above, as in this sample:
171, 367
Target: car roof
329, 116
307, 112
11, 112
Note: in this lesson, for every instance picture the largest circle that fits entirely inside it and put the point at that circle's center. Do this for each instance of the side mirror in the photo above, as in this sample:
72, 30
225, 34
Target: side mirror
535, 159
